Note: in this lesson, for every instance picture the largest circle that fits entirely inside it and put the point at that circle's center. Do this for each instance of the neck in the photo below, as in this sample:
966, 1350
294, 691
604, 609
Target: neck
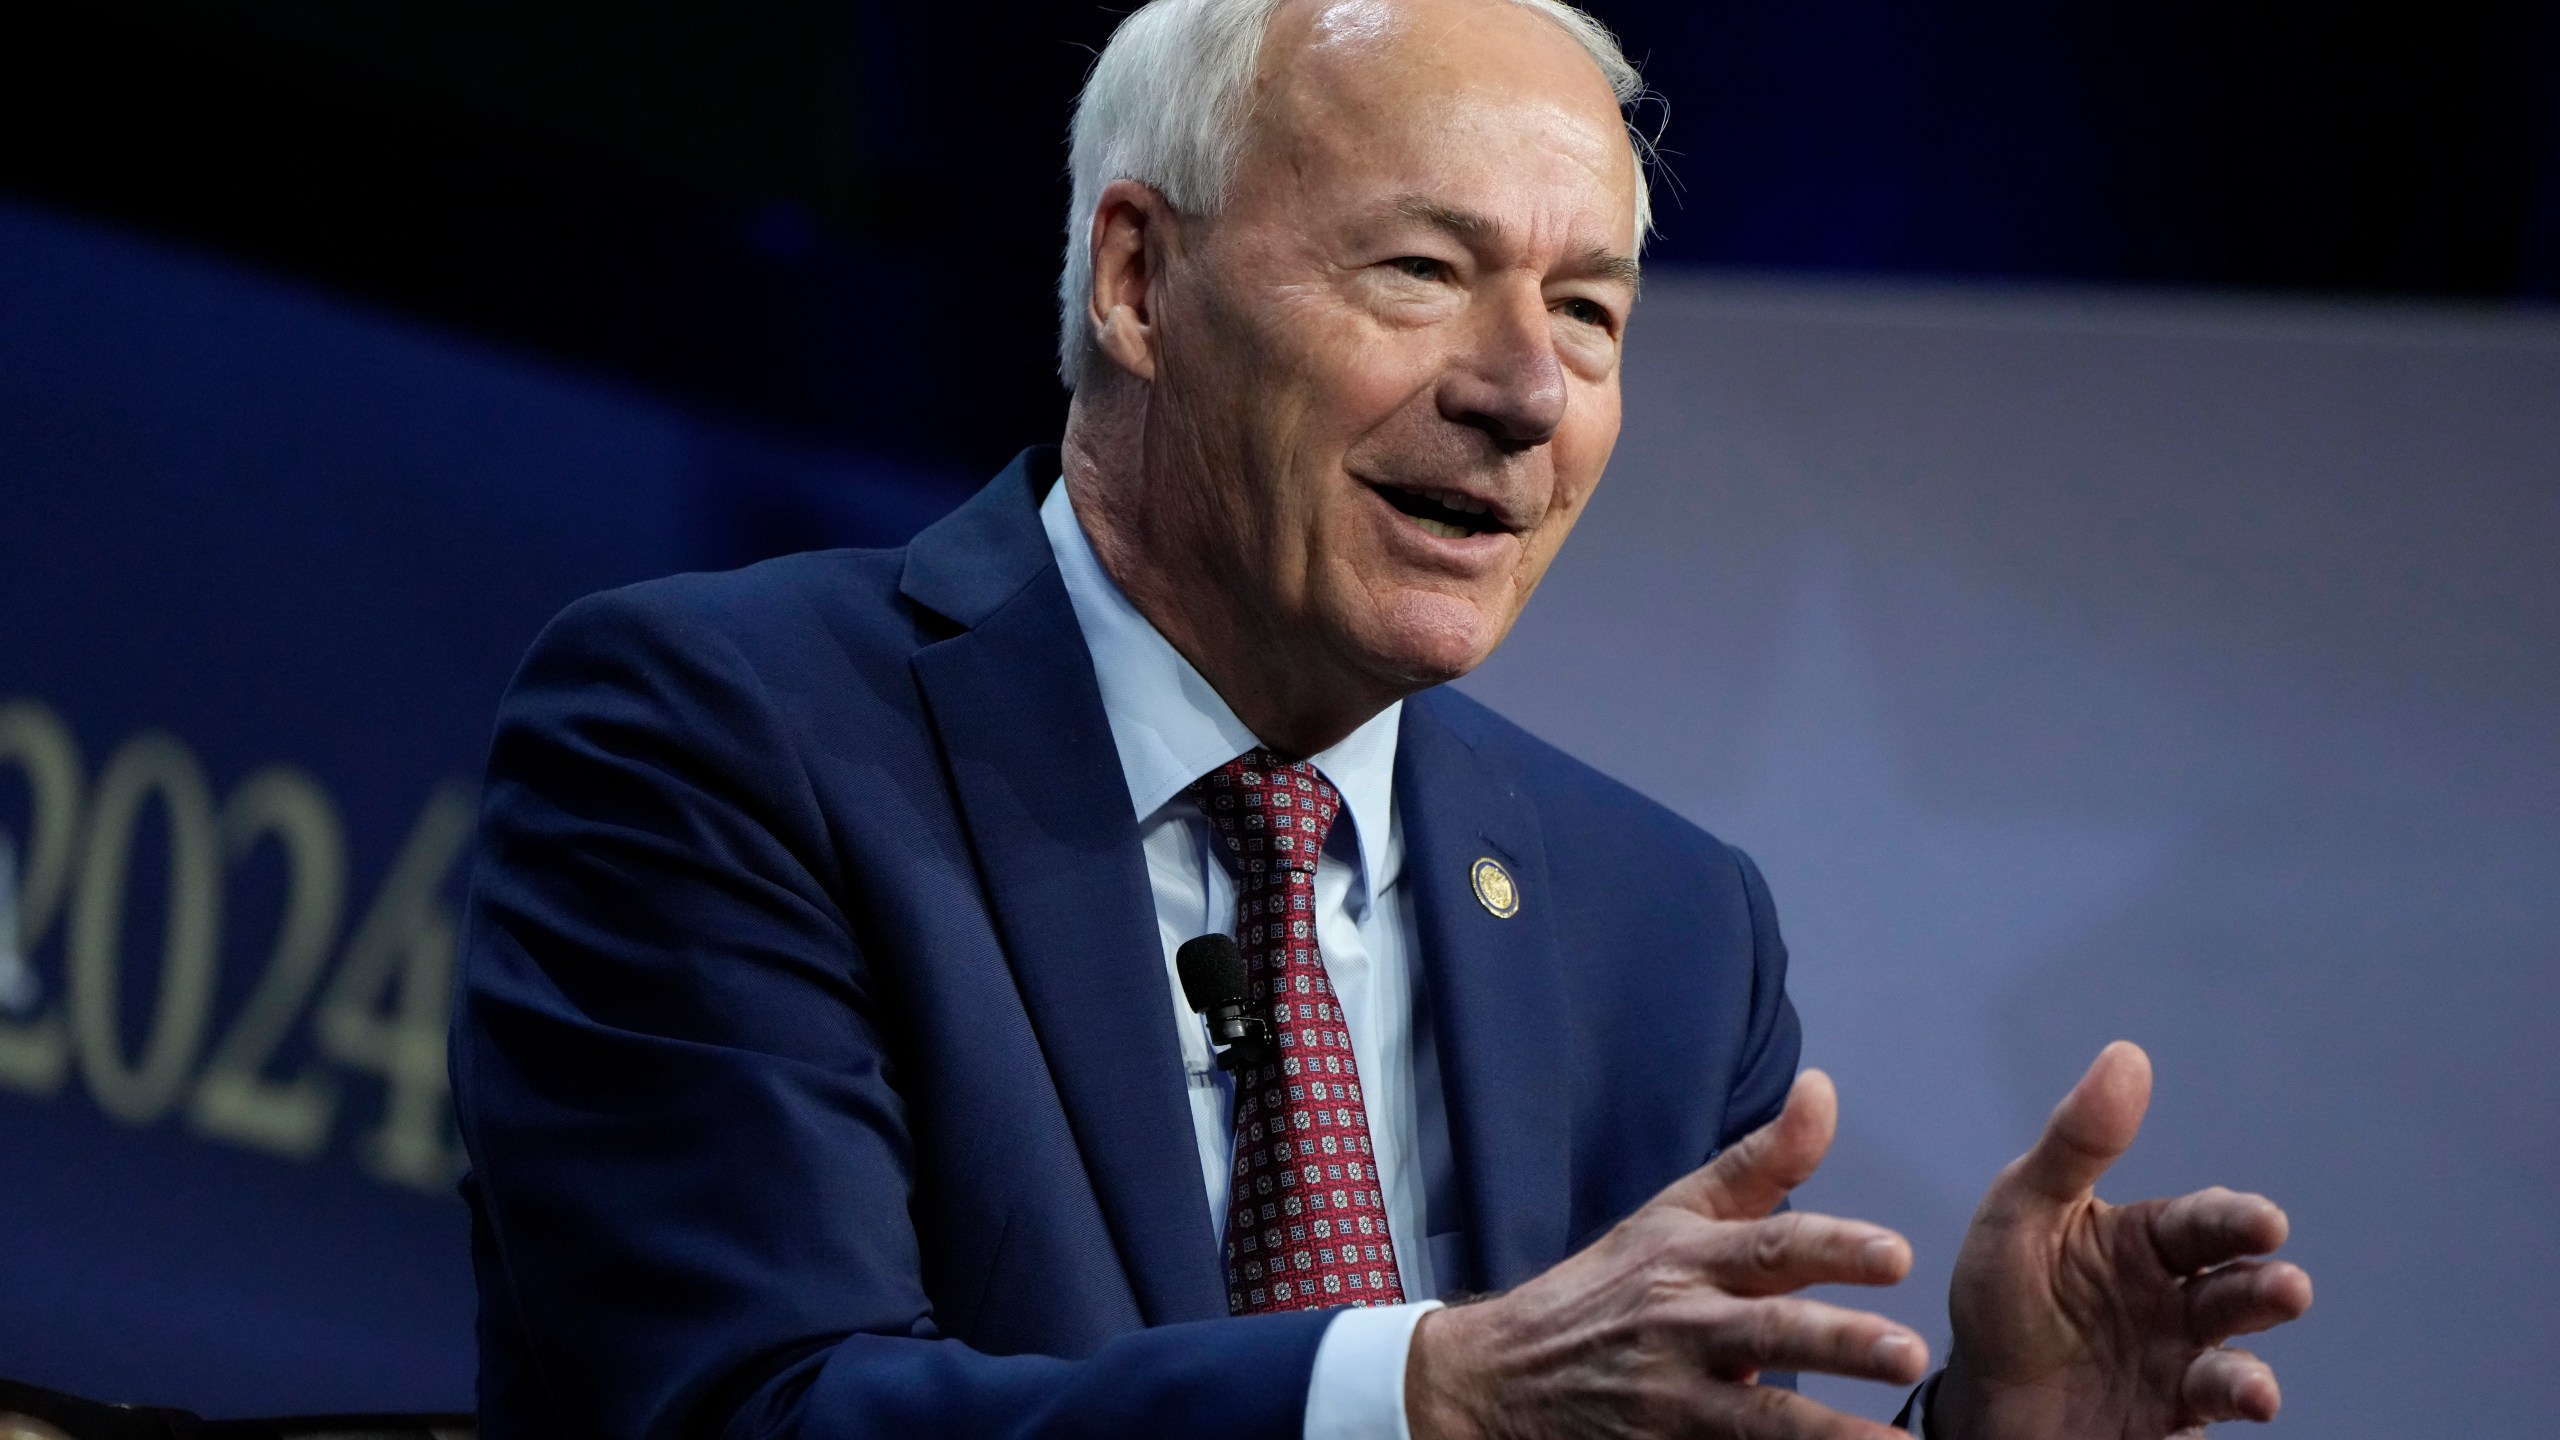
1294, 696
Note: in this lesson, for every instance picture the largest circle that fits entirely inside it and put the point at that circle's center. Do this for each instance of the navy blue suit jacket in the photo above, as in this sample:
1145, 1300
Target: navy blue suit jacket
815, 1054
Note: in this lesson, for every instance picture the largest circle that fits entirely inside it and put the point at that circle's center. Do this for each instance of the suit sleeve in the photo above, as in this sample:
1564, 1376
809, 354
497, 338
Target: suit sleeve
691, 1163
1773, 1042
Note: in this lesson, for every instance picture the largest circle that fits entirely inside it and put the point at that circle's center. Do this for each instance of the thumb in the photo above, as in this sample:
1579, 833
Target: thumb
1753, 1174
2092, 1127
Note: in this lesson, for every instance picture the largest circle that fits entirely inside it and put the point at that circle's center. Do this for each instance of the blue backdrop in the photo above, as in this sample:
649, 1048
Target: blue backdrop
266, 563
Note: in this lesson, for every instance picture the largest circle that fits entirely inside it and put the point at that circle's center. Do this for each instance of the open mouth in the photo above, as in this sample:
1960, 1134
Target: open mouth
1451, 517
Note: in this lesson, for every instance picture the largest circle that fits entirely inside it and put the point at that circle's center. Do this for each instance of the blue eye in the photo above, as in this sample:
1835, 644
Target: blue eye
1420, 267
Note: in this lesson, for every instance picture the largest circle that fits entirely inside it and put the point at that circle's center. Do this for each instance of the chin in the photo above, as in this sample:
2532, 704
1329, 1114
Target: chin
1429, 638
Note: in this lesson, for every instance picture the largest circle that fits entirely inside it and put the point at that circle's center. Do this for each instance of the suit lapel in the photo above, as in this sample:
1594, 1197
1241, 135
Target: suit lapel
1014, 703
1495, 998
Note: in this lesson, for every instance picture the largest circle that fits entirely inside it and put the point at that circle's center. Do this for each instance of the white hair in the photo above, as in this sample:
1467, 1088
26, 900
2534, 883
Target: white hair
1166, 105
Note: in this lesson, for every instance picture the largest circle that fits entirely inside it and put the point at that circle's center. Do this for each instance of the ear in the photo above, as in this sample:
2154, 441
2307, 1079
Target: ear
1131, 225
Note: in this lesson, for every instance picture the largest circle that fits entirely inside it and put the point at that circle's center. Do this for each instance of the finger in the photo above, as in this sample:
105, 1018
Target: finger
2194, 1233
1756, 1172
1737, 1337
2092, 1126
2245, 1298
2231, 1385
1765, 1412
1789, 1252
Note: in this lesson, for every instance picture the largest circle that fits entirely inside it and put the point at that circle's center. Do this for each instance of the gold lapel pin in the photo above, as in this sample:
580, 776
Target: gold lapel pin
1494, 889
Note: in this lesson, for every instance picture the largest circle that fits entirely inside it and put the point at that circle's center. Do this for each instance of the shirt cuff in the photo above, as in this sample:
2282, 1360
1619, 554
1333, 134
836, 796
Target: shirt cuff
1356, 1391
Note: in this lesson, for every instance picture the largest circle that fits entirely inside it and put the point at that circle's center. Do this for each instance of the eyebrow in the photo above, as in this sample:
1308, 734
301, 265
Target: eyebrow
1483, 231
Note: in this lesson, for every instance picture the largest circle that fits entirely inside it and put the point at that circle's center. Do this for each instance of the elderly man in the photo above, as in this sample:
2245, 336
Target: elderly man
823, 1057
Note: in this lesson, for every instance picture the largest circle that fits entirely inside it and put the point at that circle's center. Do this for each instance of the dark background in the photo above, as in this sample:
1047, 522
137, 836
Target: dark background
841, 221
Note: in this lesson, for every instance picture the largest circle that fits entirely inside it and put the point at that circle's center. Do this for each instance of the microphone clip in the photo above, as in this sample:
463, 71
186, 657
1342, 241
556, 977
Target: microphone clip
1242, 1038
1213, 980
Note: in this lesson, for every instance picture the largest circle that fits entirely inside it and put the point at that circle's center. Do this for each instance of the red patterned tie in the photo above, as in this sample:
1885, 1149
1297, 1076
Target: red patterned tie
1306, 1221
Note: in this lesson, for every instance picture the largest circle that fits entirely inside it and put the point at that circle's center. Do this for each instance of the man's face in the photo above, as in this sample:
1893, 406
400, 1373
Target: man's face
1387, 373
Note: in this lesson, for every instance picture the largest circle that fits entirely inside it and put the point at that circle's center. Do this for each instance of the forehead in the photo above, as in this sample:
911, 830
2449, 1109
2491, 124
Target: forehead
1482, 103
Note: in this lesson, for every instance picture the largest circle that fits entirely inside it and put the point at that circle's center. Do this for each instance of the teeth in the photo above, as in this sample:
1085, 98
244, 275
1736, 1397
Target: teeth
1441, 528
1463, 505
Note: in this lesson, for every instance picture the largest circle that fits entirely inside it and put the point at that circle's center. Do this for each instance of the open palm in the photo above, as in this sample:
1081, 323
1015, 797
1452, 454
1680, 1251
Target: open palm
2076, 1318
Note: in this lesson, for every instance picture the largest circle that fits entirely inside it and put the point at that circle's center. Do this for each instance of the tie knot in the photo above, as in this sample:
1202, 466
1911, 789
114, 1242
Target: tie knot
1270, 816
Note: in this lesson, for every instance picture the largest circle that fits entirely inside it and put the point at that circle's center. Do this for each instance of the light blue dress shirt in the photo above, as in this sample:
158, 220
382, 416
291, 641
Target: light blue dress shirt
1171, 728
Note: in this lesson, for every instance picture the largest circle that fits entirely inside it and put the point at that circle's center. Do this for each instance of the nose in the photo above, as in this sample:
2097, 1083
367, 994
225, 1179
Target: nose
1506, 379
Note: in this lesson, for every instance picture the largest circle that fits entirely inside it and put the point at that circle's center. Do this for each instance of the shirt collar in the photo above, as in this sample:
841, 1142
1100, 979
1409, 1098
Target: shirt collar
1171, 728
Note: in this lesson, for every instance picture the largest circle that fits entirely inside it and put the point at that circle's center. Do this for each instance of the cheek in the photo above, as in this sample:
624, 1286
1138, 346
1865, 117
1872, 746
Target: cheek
1580, 455
1582, 449
1374, 390
1343, 349
1329, 390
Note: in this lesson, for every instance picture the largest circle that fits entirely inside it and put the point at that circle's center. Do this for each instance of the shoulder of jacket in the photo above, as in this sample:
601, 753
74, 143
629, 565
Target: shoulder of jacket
1575, 800
781, 602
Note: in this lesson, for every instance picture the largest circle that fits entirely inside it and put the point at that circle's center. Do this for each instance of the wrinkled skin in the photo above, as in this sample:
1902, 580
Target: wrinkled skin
2076, 1317
2074, 1320
1417, 291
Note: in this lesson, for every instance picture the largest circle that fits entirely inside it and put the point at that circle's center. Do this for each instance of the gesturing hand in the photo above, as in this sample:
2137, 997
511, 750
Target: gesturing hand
2076, 1318
1662, 1325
